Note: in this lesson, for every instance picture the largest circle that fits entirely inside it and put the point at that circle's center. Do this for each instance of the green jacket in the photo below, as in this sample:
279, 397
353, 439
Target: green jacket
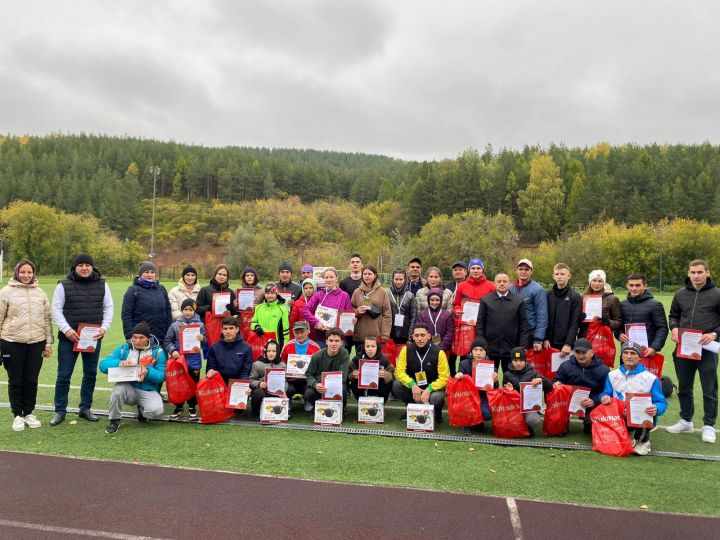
321, 361
273, 318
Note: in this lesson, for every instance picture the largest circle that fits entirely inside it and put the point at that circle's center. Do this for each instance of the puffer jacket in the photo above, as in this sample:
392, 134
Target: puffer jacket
24, 313
402, 303
645, 309
148, 303
381, 325
178, 295
422, 299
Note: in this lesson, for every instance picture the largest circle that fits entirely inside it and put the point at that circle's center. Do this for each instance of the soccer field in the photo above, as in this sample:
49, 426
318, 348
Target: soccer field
543, 473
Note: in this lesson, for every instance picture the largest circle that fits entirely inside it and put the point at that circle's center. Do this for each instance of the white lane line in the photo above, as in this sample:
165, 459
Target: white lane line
514, 518
69, 530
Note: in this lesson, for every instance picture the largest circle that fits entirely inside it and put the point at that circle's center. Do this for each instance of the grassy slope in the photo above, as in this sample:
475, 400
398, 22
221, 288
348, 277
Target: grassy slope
669, 485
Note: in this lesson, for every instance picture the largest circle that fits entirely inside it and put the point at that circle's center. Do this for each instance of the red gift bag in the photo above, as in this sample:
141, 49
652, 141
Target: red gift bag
257, 343
390, 350
180, 385
463, 402
211, 399
462, 341
213, 328
541, 361
508, 420
609, 432
603, 342
557, 414
246, 318
654, 365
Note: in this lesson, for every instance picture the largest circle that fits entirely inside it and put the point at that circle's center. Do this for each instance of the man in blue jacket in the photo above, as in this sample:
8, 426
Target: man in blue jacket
232, 356
583, 368
535, 304
146, 353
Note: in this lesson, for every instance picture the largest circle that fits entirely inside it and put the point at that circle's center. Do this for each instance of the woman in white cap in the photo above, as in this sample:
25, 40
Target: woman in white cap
611, 313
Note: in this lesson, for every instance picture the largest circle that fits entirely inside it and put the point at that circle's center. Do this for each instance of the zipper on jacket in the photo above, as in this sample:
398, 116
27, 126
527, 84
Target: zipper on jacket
692, 314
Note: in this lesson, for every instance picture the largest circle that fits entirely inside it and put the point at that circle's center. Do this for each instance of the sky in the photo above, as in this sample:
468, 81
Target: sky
412, 79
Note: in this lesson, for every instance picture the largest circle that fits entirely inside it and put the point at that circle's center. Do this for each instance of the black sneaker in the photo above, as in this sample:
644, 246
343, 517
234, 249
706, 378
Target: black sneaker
403, 417
466, 431
177, 413
112, 427
438, 419
140, 417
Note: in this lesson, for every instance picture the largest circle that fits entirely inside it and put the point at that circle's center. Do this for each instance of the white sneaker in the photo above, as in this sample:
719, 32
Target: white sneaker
683, 426
642, 448
708, 434
32, 422
18, 423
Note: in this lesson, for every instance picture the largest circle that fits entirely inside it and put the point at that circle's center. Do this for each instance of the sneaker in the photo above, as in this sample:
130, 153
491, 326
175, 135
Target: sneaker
31, 421
642, 448
18, 423
140, 417
438, 419
403, 417
308, 407
466, 431
192, 414
177, 413
708, 434
113, 426
683, 426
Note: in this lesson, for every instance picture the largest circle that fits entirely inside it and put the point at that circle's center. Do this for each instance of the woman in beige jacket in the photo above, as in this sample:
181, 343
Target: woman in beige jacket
373, 312
187, 287
25, 337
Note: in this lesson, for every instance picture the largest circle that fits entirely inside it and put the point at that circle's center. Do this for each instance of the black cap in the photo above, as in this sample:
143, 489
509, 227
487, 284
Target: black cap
142, 328
459, 263
582, 345
479, 342
83, 258
518, 353
188, 302
415, 259
189, 269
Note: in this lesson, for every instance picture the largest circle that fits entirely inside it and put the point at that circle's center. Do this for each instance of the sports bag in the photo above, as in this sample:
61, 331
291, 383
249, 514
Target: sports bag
603, 343
508, 421
180, 385
609, 432
557, 413
211, 400
463, 402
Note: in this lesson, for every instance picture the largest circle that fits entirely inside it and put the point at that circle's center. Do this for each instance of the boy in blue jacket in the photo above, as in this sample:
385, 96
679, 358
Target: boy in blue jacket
144, 350
232, 356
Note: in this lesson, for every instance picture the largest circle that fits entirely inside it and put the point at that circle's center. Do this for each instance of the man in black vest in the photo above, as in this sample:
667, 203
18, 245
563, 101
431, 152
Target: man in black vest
82, 297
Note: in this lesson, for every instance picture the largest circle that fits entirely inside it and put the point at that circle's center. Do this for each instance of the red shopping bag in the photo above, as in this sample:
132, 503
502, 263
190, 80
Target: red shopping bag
609, 432
557, 413
246, 318
508, 420
180, 385
213, 328
463, 402
541, 361
654, 364
603, 342
211, 398
462, 341
391, 351
257, 343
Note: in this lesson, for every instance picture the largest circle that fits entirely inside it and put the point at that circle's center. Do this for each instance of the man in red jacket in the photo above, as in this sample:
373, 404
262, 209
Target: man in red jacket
474, 287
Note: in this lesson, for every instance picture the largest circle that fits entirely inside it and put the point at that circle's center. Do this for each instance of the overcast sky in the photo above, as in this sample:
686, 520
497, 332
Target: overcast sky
411, 79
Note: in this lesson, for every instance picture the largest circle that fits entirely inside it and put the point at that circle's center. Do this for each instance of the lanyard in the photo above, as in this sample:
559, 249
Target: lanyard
423, 357
434, 323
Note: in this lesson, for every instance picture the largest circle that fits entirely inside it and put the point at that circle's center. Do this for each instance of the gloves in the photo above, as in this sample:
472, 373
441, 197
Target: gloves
259, 331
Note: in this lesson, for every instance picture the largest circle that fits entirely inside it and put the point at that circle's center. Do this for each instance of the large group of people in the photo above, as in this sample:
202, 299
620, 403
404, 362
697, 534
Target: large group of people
423, 332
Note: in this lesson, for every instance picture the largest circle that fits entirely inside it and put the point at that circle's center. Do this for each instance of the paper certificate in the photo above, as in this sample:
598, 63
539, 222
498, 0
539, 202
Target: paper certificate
399, 319
556, 360
124, 373
636, 415
579, 393
637, 332
369, 374
245, 298
237, 394
592, 306
297, 365
287, 295
332, 381
482, 373
220, 303
532, 396
327, 315
318, 273
713, 346
190, 339
346, 322
86, 343
689, 344
275, 380
470, 311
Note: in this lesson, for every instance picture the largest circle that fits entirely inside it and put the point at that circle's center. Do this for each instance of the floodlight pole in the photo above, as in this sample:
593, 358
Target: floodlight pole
154, 170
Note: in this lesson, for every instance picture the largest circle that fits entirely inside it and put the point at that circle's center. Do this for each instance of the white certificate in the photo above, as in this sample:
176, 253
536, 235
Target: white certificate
689, 346
238, 394
637, 333
637, 417
470, 311
297, 364
327, 315
532, 396
124, 373
399, 320
332, 381
246, 299
275, 380
713, 346
190, 339
369, 376
345, 322
556, 360
220, 303
578, 395
318, 273
483, 374
592, 306
86, 341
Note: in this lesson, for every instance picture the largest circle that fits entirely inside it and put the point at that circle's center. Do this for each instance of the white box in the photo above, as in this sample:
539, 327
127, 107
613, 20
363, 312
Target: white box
274, 410
328, 413
420, 417
371, 410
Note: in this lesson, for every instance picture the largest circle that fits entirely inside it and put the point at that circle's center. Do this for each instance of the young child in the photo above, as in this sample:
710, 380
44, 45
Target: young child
371, 351
520, 371
194, 360
634, 378
231, 357
308, 288
272, 316
269, 360
478, 352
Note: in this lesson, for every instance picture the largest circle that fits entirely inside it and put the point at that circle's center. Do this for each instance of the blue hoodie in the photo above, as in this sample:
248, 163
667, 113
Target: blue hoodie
638, 381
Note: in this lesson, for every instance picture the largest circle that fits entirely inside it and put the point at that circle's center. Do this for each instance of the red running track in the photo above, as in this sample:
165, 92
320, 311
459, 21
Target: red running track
54, 497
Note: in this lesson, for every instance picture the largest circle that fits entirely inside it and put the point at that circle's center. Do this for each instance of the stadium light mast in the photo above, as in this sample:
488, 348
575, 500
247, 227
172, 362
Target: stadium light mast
154, 170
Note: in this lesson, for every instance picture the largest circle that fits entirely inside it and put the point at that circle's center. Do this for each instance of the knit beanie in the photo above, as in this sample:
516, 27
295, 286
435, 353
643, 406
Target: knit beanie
479, 342
146, 266
597, 274
188, 302
82, 258
142, 328
188, 270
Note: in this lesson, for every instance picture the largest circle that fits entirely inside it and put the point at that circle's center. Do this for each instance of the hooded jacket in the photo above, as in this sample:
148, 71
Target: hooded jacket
593, 376
699, 310
297, 307
25, 313
149, 303
403, 303
564, 313
335, 299
366, 325
232, 360
440, 323
257, 373
526, 374
273, 317
155, 369
638, 381
171, 343
205, 297
446, 302
179, 294
645, 309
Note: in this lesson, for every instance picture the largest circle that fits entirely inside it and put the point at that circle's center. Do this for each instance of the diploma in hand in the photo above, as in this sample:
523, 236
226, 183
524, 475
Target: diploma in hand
579, 393
369, 374
592, 306
637, 332
636, 407
470, 311
85, 333
124, 373
482, 374
332, 381
346, 322
189, 339
532, 396
237, 395
220, 302
689, 344
275, 380
246, 299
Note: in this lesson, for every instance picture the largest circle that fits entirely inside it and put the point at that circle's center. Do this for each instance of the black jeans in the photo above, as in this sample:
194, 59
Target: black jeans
22, 362
404, 394
382, 391
707, 368
312, 395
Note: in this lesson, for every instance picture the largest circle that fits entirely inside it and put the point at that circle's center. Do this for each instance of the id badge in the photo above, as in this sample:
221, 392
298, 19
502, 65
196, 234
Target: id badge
436, 339
399, 320
421, 378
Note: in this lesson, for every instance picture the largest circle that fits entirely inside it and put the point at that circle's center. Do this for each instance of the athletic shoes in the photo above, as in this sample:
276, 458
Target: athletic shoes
683, 426
31, 421
140, 417
112, 427
708, 434
18, 423
642, 448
